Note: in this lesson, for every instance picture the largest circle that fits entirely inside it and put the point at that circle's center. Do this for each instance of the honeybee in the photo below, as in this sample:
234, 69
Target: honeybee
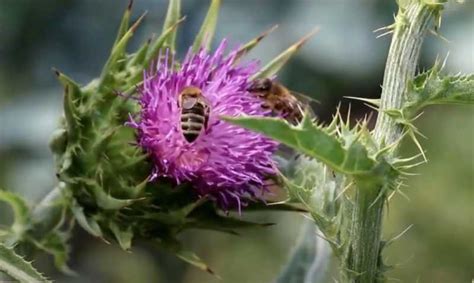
194, 113
280, 100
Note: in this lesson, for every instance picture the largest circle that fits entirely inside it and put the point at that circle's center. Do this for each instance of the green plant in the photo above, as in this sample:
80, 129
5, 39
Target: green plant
367, 165
343, 179
104, 177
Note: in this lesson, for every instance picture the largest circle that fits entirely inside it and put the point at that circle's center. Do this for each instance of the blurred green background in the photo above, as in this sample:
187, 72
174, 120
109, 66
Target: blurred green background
345, 59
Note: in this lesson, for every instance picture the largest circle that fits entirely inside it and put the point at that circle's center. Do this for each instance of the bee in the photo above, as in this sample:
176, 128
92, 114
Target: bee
195, 111
280, 100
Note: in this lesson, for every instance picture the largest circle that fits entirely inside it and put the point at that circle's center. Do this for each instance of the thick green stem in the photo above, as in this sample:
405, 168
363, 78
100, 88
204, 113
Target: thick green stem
411, 25
361, 263
362, 257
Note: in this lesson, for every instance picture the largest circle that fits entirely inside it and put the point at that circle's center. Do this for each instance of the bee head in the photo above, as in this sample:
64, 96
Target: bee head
191, 91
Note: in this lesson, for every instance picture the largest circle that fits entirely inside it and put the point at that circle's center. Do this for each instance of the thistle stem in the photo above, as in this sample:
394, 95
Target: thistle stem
362, 259
411, 24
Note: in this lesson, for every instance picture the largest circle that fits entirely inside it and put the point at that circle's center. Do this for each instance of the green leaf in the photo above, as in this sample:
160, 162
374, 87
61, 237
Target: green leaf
18, 268
21, 212
172, 17
276, 64
208, 27
433, 88
312, 140
56, 244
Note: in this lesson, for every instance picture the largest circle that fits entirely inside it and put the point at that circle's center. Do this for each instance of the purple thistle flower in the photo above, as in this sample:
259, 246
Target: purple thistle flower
226, 163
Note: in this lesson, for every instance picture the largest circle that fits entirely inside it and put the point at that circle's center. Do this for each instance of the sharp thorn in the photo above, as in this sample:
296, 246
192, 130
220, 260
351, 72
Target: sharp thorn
130, 4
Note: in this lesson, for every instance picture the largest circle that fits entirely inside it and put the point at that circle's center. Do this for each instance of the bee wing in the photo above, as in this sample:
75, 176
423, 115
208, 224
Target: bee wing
304, 98
188, 103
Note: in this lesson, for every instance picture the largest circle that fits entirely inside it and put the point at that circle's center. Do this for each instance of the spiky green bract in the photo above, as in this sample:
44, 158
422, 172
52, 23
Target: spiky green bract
17, 267
247, 47
272, 67
204, 37
172, 16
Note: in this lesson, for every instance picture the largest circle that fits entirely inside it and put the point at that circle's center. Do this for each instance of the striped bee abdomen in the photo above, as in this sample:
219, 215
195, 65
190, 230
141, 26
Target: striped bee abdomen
194, 113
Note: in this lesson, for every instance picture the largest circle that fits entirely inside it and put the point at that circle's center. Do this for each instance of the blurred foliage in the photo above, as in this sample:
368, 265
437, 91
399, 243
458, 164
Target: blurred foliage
439, 247
345, 59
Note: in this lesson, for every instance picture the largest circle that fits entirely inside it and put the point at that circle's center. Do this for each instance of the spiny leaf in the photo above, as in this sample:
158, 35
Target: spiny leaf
56, 244
208, 27
312, 140
276, 64
21, 211
433, 88
252, 43
172, 16
17, 267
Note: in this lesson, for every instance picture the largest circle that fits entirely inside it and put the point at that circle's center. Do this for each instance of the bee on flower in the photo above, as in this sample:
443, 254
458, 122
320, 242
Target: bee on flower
179, 126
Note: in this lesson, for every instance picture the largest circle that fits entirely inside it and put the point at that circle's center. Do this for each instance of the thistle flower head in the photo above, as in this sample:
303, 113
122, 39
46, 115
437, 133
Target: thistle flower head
224, 162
